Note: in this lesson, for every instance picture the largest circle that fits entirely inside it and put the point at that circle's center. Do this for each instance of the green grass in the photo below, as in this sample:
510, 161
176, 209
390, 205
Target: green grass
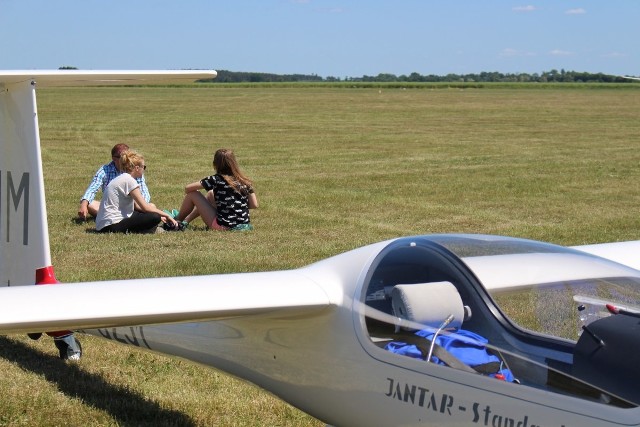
334, 168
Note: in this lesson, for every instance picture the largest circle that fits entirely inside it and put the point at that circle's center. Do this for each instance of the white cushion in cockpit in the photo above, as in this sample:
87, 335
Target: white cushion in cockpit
427, 304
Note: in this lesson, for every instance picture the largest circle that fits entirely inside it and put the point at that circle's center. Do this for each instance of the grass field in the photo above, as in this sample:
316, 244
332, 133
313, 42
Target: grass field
334, 168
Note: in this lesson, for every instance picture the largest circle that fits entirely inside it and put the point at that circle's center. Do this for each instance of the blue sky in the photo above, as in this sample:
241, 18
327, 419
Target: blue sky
339, 38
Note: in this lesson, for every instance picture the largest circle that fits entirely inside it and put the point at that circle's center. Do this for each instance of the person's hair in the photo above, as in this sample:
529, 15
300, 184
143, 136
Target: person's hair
129, 160
118, 149
225, 164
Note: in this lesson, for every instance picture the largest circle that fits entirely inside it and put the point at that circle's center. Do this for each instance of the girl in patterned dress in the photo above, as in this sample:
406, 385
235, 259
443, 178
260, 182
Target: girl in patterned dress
229, 196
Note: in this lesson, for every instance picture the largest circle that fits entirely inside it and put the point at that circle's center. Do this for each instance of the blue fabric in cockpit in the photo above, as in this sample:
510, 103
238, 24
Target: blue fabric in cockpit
468, 347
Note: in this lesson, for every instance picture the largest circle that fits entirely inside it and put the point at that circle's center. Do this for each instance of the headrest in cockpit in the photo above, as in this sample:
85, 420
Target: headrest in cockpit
428, 304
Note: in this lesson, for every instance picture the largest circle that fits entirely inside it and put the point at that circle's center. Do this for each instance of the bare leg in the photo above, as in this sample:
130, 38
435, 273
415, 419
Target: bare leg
198, 201
194, 213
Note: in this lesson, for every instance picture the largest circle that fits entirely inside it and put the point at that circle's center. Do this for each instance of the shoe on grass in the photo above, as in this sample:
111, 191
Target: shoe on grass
180, 226
69, 347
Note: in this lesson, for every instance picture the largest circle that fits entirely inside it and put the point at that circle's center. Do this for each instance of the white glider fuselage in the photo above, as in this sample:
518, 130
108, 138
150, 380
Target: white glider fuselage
322, 360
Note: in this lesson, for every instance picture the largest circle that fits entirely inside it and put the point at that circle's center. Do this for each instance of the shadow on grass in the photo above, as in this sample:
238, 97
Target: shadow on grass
125, 406
92, 230
89, 223
81, 221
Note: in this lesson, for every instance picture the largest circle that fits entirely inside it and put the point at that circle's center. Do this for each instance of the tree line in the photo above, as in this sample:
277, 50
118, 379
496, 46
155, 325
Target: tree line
562, 76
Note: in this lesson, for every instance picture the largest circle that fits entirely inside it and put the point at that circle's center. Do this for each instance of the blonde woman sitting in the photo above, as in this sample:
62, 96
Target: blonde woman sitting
117, 213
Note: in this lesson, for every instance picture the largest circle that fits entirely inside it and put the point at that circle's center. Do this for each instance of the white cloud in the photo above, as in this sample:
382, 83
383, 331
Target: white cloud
559, 52
577, 11
509, 52
528, 8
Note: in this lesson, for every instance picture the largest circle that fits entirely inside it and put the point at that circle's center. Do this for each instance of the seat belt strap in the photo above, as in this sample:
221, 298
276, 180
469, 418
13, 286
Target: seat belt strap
423, 344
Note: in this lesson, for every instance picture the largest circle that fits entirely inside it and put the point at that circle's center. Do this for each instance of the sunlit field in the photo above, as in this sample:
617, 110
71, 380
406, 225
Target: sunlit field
335, 168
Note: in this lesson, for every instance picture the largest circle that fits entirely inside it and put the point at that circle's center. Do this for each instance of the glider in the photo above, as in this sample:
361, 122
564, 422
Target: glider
337, 339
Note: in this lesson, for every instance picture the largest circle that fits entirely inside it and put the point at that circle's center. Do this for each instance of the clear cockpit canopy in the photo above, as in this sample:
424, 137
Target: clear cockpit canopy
544, 288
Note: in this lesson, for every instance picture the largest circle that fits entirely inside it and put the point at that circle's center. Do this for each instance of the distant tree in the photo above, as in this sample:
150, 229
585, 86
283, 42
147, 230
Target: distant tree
386, 77
415, 77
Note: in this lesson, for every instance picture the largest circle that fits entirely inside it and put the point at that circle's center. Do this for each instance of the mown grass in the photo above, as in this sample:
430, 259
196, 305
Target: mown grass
334, 168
